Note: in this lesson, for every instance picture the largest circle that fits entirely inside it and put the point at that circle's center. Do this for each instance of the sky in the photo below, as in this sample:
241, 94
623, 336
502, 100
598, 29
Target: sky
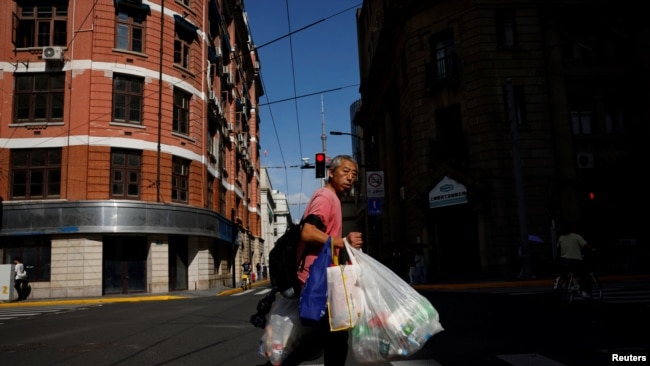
310, 75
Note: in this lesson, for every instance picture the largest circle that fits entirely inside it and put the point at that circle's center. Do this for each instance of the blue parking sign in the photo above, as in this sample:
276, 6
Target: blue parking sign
374, 206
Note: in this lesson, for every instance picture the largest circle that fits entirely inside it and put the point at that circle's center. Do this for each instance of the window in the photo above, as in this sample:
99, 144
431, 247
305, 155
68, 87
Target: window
180, 179
129, 31
443, 52
442, 69
184, 35
506, 28
210, 194
35, 173
38, 97
127, 99
519, 103
581, 122
181, 52
125, 174
222, 199
36, 252
181, 112
615, 122
184, 2
41, 25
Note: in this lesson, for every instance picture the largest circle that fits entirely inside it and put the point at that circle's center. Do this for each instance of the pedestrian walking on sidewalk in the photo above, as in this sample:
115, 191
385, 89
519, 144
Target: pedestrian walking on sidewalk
20, 281
420, 266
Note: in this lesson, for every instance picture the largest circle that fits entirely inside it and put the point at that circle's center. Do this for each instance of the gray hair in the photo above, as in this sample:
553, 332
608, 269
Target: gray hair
339, 159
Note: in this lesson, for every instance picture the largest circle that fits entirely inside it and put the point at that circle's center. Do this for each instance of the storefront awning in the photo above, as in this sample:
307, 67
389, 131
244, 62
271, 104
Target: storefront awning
185, 24
212, 55
132, 5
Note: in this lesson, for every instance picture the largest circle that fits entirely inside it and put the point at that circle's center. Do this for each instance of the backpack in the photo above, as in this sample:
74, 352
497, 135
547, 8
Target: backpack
283, 268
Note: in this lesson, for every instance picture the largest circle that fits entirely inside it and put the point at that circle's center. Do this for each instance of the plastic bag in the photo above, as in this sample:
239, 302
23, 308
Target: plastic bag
344, 296
313, 298
283, 331
397, 320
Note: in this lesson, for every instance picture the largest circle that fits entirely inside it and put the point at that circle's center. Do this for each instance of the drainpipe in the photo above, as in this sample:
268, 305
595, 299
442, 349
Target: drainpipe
160, 88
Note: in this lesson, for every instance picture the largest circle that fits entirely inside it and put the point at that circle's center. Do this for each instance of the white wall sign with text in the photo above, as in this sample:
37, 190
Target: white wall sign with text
375, 184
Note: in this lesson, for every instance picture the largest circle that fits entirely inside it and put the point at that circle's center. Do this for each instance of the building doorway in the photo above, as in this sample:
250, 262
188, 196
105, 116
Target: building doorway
455, 251
178, 263
125, 264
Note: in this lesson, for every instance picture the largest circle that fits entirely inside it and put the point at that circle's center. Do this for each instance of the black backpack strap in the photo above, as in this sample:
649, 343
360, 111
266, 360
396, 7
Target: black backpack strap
316, 221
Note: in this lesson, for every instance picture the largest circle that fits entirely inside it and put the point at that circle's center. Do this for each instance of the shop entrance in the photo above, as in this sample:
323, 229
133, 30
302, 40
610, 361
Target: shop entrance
125, 264
177, 263
455, 250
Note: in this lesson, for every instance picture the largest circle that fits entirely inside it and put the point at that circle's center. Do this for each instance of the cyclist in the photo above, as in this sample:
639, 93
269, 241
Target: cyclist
246, 269
571, 246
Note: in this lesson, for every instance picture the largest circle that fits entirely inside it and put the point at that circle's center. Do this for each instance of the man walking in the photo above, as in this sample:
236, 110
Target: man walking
326, 203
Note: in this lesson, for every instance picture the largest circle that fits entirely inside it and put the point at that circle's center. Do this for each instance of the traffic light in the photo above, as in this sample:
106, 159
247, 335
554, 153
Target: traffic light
320, 165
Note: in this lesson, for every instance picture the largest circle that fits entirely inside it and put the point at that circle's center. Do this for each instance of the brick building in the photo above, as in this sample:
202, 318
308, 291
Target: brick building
129, 150
533, 113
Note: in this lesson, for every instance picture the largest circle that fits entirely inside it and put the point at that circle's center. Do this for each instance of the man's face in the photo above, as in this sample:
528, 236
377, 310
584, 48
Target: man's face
343, 177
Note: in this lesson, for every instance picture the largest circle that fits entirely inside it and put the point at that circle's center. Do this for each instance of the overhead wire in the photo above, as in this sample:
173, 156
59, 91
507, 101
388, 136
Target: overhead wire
293, 77
295, 97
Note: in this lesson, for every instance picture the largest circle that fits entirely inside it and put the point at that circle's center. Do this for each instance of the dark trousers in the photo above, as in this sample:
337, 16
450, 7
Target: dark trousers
21, 288
334, 346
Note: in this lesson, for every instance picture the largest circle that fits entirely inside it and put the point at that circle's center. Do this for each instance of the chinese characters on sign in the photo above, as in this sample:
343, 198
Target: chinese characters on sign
446, 193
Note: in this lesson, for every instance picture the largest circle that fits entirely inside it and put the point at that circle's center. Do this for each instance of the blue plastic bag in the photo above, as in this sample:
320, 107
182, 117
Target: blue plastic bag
313, 298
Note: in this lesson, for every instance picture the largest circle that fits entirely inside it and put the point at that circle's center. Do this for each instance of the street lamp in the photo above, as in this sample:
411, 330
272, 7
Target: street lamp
339, 133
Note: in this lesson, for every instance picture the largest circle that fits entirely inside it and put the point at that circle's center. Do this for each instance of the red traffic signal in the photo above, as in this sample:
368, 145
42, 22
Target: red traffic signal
320, 165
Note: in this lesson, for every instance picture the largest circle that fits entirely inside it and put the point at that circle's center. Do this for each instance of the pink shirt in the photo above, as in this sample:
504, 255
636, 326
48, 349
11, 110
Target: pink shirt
326, 204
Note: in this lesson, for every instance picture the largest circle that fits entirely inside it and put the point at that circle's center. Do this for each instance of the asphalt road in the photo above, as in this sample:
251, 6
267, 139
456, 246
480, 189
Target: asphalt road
482, 327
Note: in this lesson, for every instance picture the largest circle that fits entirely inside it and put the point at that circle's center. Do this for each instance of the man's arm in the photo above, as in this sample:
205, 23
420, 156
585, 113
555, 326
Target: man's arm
311, 234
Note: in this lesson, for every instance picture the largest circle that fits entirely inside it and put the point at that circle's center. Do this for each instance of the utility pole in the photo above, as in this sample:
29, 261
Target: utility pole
526, 263
323, 136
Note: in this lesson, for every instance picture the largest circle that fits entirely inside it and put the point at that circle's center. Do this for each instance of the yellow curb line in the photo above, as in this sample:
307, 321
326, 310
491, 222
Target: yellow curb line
90, 301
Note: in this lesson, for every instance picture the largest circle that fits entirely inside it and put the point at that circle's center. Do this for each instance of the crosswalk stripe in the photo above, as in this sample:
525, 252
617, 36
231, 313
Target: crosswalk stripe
13, 313
529, 359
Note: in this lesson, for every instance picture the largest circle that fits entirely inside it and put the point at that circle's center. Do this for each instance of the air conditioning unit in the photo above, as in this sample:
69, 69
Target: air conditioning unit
217, 50
219, 108
230, 127
52, 53
585, 160
229, 79
212, 96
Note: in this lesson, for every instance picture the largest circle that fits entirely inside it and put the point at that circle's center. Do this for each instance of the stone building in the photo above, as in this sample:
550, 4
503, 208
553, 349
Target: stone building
494, 123
129, 144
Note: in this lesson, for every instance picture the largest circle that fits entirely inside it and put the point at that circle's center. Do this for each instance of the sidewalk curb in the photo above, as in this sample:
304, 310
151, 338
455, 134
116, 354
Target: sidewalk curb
433, 286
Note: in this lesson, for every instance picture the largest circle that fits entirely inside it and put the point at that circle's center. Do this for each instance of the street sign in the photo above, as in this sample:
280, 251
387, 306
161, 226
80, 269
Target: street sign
446, 193
375, 184
374, 206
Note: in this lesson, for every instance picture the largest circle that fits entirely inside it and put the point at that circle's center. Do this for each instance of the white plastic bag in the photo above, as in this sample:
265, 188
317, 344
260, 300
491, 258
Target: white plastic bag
344, 296
283, 331
397, 320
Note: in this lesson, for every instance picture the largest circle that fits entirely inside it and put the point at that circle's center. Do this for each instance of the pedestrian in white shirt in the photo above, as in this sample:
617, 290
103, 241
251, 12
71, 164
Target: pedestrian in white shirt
20, 281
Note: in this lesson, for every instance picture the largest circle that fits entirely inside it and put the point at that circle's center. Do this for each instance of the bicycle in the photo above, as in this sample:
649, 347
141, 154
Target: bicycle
569, 289
245, 282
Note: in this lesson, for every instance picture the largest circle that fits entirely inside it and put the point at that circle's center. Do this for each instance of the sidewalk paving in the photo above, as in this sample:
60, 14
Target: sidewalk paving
224, 291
